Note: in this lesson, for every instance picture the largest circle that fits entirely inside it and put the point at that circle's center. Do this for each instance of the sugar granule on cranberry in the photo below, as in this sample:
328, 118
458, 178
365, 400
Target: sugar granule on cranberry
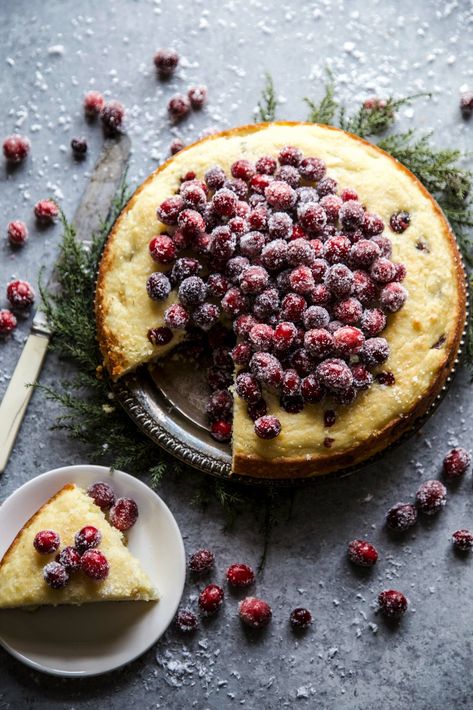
79, 147
382, 270
46, 211
46, 541
158, 286
234, 302
124, 514
466, 104
456, 463
221, 430
257, 410
431, 497
334, 374
162, 249
166, 61
93, 103
112, 116
400, 221
267, 427
463, 540
8, 322
348, 310
69, 558
362, 553
289, 174
300, 252
254, 280
266, 165
17, 233
241, 354
291, 383
201, 561
160, 336
318, 342
300, 619
168, 211
224, 202
95, 565
186, 621
312, 169
178, 107
280, 225
266, 303
240, 576
206, 315
351, 214
280, 195
392, 604
274, 254
20, 294
16, 148
102, 494
211, 599
190, 222
284, 335
267, 369
339, 280
88, 537
392, 297
55, 575
373, 321
401, 517
312, 217
176, 316
374, 352
255, 612
247, 387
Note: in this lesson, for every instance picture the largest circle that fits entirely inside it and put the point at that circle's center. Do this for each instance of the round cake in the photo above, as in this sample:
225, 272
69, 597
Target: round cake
328, 263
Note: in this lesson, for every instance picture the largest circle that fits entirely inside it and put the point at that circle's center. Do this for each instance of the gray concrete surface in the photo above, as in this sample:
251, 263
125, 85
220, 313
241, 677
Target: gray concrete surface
51, 53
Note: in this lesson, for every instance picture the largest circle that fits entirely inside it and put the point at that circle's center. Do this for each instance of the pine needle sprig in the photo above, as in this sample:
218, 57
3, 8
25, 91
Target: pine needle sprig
376, 117
268, 104
323, 112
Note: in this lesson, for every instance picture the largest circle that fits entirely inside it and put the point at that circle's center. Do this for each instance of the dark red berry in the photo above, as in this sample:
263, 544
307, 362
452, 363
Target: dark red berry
241, 354
162, 249
124, 514
211, 599
112, 116
348, 340
364, 252
466, 103
168, 211
20, 294
257, 410
279, 195
243, 169
95, 565
351, 214
192, 292
318, 342
284, 335
274, 254
455, 463
221, 430
254, 280
311, 389
312, 217
197, 96
291, 383
382, 270
392, 297
392, 604
327, 186
255, 612
234, 303
290, 155
339, 280
348, 311
362, 553
206, 315
178, 107
374, 352
463, 540
93, 103
55, 575
87, 538
267, 427
190, 222
224, 202
335, 375
266, 165
69, 558
289, 174
46, 542
166, 61
348, 194
176, 316
247, 387
373, 321
17, 233
16, 148
267, 369
400, 221
176, 146
364, 288
300, 252
158, 286
8, 322
240, 576
300, 619
217, 285
160, 336
337, 249
186, 621
46, 211
201, 561
219, 405
401, 517
431, 497
79, 147
312, 169
102, 495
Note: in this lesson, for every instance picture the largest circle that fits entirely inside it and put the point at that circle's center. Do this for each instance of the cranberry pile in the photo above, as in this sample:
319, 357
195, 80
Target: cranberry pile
296, 264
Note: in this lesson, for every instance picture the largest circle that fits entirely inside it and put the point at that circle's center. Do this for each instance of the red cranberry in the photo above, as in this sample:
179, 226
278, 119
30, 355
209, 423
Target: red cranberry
254, 280
46, 211
312, 169
102, 495
20, 294
393, 604
193, 194
201, 561
255, 612
400, 221
266, 165
289, 174
243, 170
215, 177
197, 96
241, 354
166, 61
16, 148
318, 342
362, 377
112, 116
162, 249
327, 186
374, 352
248, 388
234, 303
351, 214
301, 279
259, 183
300, 251
284, 335
87, 538
362, 553
348, 311
382, 270
17, 233
46, 542
401, 272
364, 252
302, 362
455, 463
95, 565
401, 517
55, 575
257, 410
257, 218
331, 205
364, 288
168, 211
280, 225
274, 254
384, 244
186, 621
349, 194
392, 297
158, 286
205, 316
334, 374
463, 540
466, 104
124, 514
267, 427
217, 285
243, 325
178, 107
69, 558
93, 103
348, 340
160, 336
431, 497
192, 292
240, 576
339, 280
312, 217
290, 155
219, 405
372, 224
176, 146
176, 316
279, 195
211, 599
190, 222
337, 249
221, 430
224, 202
373, 321
291, 383
79, 147
8, 322
300, 619
311, 389
267, 369
266, 303
320, 295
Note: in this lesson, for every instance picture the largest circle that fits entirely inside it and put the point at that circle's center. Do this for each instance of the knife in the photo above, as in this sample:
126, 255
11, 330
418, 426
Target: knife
91, 213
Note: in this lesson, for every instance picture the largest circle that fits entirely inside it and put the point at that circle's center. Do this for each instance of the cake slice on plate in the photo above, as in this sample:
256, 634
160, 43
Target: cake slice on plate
96, 566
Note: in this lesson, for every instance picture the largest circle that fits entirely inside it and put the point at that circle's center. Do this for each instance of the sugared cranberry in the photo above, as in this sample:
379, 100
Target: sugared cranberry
279, 194
327, 186
364, 252
211, 599
374, 352
392, 297
373, 321
362, 377
351, 214
221, 430
334, 374
166, 61
190, 222
312, 217
217, 285
197, 96
349, 194
160, 336
224, 202
95, 565
240, 576
349, 310
280, 225
112, 116
393, 604
17, 233
401, 517
162, 249
254, 280
258, 184
257, 410
176, 316
241, 354
255, 612
400, 221
284, 335
8, 322
312, 169
93, 103
20, 294
274, 254
431, 497
348, 340
79, 147
301, 279
331, 205
168, 211
215, 177
46, 542
102, 495
69, 558
176, 146
247, 387
46, 211
201, 561
384, 244
267, 427
455, 463
239, 187
87, 538
289, 174
302, 362
320, 295
463, 540
290, 155
466, 103
158, 286
401, 272
178, 107
123, 514
219, 405
339, 280
192, 292
318, 342
55, 575
16, 148
266, 165
300, 251
243, 169
300, 619
362, 553
311, 389
206, 315
186, 621
382, 270
291, 383
267, 369
372, 224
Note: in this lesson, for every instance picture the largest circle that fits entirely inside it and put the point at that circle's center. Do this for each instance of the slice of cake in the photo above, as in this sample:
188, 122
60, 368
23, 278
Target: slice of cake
69, 553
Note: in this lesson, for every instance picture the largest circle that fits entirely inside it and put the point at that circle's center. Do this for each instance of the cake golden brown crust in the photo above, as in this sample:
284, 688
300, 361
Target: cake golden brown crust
259, 462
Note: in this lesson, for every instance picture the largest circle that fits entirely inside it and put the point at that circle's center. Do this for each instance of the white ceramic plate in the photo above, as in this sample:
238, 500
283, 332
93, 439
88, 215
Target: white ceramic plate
96, 638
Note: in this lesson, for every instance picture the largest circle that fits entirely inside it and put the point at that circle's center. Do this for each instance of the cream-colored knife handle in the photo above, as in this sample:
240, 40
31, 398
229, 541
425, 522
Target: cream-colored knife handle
18, 393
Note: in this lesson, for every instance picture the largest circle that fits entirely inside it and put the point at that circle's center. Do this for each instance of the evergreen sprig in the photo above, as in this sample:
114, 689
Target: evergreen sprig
268, 104
324, 111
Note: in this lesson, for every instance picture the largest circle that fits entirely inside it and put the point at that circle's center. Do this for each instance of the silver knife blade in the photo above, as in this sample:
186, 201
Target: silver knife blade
90, 215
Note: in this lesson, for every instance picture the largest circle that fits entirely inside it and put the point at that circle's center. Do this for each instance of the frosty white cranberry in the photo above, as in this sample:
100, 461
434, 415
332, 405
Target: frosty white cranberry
178, 107
111, 116
17, 233
46, 211
280, 195
93, 103
431, 497
20, 294
392, 297
334, 374
8, 322
197, 96
166, 61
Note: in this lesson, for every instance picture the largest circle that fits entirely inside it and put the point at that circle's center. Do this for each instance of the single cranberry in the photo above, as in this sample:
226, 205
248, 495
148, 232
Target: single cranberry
158, 286
279, 194
215, 177
20, 294
123, 514
267, 427
166, 61
339, 280
337, 249
192, 292
291, 383
254, 280
300, 619
176, 146
362, 377
348, 194
311, 389
258, 184
385, 245
112, 116
240, 576
373, 321
351, 214
8, 322
401, 272
318, 342
267, 369
168, 211
206, 315
327, 186
455, 463
284, 335
241, 354
162, 249
463, 540
331, 205
69, 558
364, 288
266, 303
266, 165
178, 107
197, 96
334, 374
221, 430
372, 224
320, 295
392, 297
243, 169
190, 222
466, 103
302, 362
255, 612
312, 217
95, 565
160, 336
431, 497
46, 542
301, 279
217, 285
257, 218
17, 233
16, 148
306, 194
224, 202
348, 311
201, 561
300, 251
393, 604
234, 303
401, 517
193, 195
289, 174
274, 254
55, 575
176, 316
364, 252
93, 103
400, 221
290, 155
219, 405
87, 538
79, 147
280, 225
211, 599
382, 270
247, 387
374, 352
186, 621
102, 495
46, 211
362, 553
312, 169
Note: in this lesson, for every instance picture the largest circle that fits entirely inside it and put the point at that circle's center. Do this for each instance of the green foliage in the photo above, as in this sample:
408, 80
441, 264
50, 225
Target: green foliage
268, 104
324, 111
371, 120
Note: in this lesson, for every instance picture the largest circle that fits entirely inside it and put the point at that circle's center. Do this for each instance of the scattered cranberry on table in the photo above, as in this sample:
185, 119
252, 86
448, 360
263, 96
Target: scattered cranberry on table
46, 541
463, 540
211, 599
93, 104
300, 619
178, 107
255, 612
79, 147
186, 621
401, 517
240, 576
197, 96
362, 553
466, 104
201, 561
17, 233
392, 604
166, 61
176, 146
20, 294
456, 463
111, 116
123, 514
431, 497
46, 211
16, 148
8, 322
95, 565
